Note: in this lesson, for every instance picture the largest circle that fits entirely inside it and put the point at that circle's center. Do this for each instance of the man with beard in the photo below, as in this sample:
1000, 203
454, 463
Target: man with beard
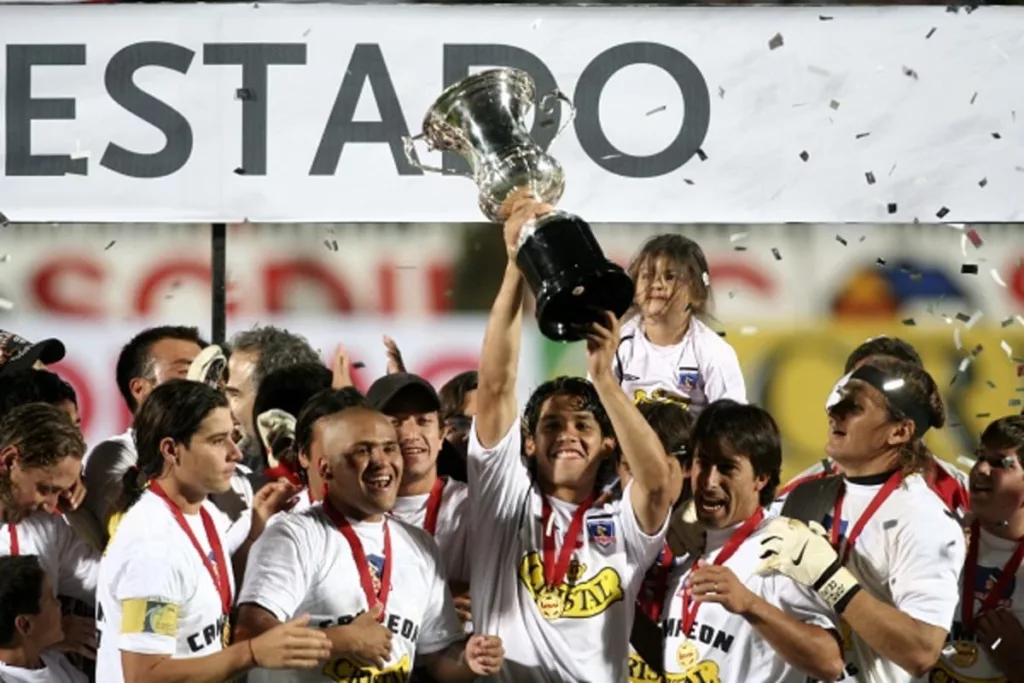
41, 459
375, 585
554, 576
881, 548
436, 504
987, 640
255, 353
152, 357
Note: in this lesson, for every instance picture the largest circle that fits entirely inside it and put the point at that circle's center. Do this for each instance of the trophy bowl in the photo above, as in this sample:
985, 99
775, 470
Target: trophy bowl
482, 118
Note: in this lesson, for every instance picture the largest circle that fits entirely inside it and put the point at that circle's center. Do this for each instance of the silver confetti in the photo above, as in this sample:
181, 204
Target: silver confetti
6, 304
1006, 348
995, 276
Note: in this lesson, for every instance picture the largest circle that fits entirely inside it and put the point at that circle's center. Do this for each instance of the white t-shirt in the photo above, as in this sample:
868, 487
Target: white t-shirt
699, 370
151, 563
729, 649
972, 664
56, 669
72, 565
590, 643
909, 555
452, 525
302, 564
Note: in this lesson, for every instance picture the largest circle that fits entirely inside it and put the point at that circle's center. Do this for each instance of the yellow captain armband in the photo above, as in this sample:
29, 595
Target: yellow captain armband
149, 616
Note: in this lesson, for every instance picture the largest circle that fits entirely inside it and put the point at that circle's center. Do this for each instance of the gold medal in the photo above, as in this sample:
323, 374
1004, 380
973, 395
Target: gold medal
225, 635
966, 654
687, 655
550, 603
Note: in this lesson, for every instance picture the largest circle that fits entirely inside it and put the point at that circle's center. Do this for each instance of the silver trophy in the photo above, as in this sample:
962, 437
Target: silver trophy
482, 118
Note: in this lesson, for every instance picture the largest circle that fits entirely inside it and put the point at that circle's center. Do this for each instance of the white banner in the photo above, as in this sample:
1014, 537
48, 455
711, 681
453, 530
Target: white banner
296, 113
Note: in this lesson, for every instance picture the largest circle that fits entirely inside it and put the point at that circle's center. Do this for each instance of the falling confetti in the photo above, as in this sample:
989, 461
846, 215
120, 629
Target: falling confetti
930, 33
721, 92
239, 171
909, 322
973, 320
657, 109
6, 304
776, 254
995, 276
997, 136
974, 97
983, 415
880, 261
748, 330
942, 213
737, 236
1006, 347
739, 248
891, 207
860, 136
804, 155
1007, 322
956, 338
839, 238
244, 94
963, 317
701, 155
1015, 403
983, 182
775, 42
834, 104
112, 243
907, 71
688, 181
969, 269
358, 365
974, 237
870, 177
822, 17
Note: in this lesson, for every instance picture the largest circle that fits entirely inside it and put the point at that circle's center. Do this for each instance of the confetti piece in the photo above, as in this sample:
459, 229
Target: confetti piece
721, 92
995, 276
748, 330
688, 181
358, 365
974, 97
112, 242
737, 236
974, 237
983, 182
891, 207
990, 383
969, 269
973, 320
834, 104
859, 136
956, 338
909, 322
839, 238
942, 213
804, 155
733, 293
982, 415
1007, 348
657, 109
776, 254
245, 94
1015, 402
739, 248
6, 304
701, 155
862, 238
775, 42
822, 17
239, 171
963, 317
964, 364
907, 71
535, 24
611, 156
880, 261
930, 33
963, 244
870, 177
1007, 322
997, 136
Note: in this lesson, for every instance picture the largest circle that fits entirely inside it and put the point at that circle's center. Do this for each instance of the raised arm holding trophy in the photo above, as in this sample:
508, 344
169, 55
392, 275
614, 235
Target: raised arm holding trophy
482, 118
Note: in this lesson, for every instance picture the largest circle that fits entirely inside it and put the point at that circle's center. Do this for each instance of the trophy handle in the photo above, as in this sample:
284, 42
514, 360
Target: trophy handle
560, 96
409, 144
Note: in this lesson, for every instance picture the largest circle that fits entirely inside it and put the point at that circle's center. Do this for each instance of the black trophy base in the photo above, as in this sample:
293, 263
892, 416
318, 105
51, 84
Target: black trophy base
570, 277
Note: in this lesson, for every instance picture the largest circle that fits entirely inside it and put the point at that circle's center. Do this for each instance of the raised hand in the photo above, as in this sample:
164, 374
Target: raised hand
341, 369
292, 645
395, 362
602, 343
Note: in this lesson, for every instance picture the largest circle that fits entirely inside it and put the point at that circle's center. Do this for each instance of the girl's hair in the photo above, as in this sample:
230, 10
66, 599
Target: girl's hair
175, 410
919, 387
688, 259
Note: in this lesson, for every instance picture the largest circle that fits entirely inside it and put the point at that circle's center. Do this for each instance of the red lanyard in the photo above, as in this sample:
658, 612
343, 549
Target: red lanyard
995, 593
15, 546
434, 505
690, 606
655, 585
555, 571
888, 487
362, 564
220, 572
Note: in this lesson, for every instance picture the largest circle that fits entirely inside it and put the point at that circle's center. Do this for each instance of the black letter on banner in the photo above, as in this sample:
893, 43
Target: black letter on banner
459, 58
696, 109
175, 127
254, 59
22, 110
367, 64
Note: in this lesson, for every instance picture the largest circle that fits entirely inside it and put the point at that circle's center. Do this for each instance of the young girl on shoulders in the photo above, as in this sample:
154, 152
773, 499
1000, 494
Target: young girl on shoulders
667, 352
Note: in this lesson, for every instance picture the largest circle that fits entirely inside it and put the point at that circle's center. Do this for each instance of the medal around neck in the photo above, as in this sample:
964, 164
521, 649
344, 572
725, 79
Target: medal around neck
551, 603
482, 118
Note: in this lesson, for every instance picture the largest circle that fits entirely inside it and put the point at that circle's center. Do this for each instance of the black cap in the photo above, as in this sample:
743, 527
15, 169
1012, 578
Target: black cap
385, 389
18, 353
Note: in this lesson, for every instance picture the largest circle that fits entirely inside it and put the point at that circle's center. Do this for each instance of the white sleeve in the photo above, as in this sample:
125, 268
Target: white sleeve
441, 626
456, 551
151, 589
926, 568
279, 573
641, 548
498, 478
104, 469
799, 602
79, 564
723, 377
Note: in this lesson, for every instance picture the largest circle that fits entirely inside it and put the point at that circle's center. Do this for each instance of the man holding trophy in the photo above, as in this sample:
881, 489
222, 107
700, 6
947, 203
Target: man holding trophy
554, 573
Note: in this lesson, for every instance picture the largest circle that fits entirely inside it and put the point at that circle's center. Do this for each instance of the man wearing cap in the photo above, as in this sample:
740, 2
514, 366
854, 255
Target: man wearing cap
18, 353
436, 504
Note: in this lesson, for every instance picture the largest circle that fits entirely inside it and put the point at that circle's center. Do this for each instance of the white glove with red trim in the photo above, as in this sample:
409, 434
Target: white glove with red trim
208, 367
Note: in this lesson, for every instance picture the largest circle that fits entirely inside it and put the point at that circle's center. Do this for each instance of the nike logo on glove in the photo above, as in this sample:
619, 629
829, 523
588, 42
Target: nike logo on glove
800, 556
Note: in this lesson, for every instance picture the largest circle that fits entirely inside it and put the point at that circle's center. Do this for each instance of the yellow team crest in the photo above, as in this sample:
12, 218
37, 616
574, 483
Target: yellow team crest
576, 598
345, 671
641, 396
640, 672
703, 672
